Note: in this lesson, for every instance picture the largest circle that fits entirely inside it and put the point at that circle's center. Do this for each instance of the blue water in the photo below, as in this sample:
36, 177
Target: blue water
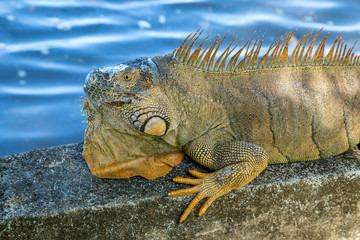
48, 47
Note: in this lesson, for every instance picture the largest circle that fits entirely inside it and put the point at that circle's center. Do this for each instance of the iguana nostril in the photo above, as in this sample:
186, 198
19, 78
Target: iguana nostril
91, 78
88, 79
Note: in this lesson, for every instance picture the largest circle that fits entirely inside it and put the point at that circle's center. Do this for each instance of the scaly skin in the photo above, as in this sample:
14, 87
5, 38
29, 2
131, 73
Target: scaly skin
150, 112
321, 105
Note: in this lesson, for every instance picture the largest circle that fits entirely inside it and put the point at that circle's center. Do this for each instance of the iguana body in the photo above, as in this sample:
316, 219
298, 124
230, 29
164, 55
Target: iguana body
233, 117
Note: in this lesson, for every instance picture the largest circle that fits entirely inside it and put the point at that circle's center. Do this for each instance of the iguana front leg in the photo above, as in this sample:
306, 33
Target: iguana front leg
236, 164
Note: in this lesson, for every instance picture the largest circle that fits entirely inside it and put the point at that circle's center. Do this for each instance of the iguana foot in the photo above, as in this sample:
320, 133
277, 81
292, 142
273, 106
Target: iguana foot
238, 163
206, 186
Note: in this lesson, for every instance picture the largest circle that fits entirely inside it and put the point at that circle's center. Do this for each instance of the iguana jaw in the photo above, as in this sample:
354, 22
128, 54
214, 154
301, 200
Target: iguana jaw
112, 149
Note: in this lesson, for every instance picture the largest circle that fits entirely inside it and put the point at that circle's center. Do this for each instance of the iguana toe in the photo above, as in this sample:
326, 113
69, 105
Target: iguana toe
205, 187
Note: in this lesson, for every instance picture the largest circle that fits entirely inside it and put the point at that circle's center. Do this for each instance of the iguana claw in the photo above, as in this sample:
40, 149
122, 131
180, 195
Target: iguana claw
205, 187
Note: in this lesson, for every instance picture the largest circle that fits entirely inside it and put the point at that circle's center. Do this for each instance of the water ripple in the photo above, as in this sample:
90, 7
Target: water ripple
309, 4
78, 42
256, 18
41, 91
102, 4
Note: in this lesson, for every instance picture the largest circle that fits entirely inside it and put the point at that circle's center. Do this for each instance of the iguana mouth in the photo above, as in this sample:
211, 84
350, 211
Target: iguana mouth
118, 103
110, 98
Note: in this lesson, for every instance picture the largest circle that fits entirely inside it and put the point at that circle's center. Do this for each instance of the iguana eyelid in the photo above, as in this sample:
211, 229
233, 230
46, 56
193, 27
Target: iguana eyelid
127, 77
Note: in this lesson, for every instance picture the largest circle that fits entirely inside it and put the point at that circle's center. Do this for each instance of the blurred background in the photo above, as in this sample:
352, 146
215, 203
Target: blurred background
48, 47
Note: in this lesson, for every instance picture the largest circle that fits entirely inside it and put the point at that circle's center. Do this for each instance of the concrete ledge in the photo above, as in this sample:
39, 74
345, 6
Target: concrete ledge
51, 194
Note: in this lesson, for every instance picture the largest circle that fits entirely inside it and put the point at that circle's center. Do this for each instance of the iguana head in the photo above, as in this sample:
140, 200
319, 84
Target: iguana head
131, 89
127, 115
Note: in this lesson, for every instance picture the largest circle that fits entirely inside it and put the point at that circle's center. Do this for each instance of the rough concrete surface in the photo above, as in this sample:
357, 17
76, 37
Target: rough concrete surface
51, 194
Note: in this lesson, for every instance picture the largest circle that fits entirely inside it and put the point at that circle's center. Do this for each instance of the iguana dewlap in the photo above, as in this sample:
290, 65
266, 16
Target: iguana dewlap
233, 115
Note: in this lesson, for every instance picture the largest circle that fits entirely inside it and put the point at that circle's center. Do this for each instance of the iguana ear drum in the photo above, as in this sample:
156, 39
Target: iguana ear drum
150, 121
155, 126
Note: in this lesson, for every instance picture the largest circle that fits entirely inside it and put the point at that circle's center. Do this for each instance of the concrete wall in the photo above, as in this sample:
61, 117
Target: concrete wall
51, 194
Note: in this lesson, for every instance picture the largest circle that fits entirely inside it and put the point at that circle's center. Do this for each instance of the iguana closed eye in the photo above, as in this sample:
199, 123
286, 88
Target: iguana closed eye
233, 114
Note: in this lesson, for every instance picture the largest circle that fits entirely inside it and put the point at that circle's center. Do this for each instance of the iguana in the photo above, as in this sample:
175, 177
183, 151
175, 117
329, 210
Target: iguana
234, 113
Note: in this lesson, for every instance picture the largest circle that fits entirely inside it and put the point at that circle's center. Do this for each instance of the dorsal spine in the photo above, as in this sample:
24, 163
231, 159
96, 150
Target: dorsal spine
276, 55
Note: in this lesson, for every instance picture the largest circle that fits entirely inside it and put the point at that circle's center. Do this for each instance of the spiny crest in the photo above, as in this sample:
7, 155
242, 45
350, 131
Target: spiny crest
86, 110
275, 56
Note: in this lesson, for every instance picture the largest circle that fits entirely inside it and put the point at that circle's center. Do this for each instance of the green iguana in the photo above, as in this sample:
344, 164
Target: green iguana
232, 114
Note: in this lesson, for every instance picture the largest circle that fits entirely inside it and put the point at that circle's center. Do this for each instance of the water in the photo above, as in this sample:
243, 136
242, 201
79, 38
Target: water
48, 47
